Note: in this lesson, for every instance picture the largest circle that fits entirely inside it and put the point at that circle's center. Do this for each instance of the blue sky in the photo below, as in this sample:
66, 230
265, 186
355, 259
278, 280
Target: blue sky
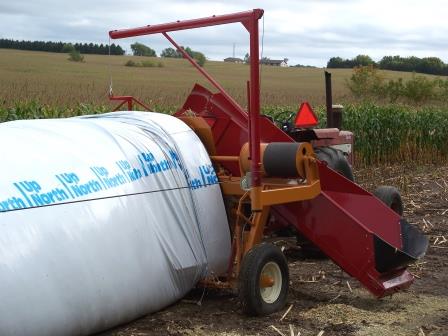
305, 32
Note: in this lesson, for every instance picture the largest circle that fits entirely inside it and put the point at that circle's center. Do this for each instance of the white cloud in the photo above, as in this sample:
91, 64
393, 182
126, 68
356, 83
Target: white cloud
306, 32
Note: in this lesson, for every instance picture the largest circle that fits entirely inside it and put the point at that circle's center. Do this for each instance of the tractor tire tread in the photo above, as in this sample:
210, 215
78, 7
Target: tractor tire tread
390, 196
335, 160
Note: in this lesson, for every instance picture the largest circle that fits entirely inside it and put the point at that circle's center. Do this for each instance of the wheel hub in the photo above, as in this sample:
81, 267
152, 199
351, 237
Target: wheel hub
270, 282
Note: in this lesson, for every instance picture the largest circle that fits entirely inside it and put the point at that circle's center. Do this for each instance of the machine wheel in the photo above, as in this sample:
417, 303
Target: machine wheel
391, 197
335, 160
263, 280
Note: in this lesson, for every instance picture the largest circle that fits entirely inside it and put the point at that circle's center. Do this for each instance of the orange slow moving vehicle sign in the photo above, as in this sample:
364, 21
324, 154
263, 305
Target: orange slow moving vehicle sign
305, 116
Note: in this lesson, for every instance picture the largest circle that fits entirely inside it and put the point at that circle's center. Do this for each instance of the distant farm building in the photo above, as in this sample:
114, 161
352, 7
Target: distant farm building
233, 60
282, 63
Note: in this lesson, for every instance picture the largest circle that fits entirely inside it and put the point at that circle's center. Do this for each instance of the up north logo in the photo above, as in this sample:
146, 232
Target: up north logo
34, 195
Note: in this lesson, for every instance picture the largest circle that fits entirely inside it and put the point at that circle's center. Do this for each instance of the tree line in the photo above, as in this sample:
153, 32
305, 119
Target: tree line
197, 55
427, 65
61, 47
139, 49
368, 84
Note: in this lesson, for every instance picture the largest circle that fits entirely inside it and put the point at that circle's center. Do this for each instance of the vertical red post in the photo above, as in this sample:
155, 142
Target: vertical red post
248, 108
254, 114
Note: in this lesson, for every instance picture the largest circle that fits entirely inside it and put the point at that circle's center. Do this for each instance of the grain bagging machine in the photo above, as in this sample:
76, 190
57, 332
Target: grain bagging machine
113, 216
272, 179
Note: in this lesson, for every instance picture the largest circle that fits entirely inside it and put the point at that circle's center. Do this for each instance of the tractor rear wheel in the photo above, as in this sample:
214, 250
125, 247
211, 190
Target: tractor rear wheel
391, 197
263, 280
335, 160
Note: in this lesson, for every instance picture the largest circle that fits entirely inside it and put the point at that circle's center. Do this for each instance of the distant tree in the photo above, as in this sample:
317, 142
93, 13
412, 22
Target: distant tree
386, 62
199, 57
139, 49
247, 58
60, 47
366, 82
68, 47
189, 51
75, 56
116, 50
362, 60
170, 53
302, 66
102, 50
335, 62
431, 65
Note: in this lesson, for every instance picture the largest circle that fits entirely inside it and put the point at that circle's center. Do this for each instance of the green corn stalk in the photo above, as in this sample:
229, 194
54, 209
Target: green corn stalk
383, 134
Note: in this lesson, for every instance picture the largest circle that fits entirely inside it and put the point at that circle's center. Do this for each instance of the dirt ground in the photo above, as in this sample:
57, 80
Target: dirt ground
323, 300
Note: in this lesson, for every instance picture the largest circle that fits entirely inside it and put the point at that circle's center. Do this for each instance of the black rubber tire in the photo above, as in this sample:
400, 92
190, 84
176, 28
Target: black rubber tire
308, 249
335, 160
391, 197
250, 295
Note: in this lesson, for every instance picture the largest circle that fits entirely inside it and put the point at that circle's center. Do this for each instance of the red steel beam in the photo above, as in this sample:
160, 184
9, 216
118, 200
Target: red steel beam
254, 116
187, 24
239, 119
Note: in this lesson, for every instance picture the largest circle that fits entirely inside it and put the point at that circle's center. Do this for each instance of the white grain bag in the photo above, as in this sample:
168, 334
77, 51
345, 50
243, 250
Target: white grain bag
103, 219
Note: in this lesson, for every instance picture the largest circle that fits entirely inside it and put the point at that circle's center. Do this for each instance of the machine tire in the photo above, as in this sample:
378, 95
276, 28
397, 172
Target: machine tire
308, 249
269, 260
335, 160
391, 197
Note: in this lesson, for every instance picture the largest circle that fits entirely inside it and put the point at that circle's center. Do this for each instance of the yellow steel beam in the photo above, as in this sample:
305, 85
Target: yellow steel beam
290, 194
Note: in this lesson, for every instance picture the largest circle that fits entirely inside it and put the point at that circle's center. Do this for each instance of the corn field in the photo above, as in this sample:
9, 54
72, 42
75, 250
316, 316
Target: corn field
391, 134
396, 134
383, 134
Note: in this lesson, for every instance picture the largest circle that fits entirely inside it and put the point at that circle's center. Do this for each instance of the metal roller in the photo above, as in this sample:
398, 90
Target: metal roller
279, 159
